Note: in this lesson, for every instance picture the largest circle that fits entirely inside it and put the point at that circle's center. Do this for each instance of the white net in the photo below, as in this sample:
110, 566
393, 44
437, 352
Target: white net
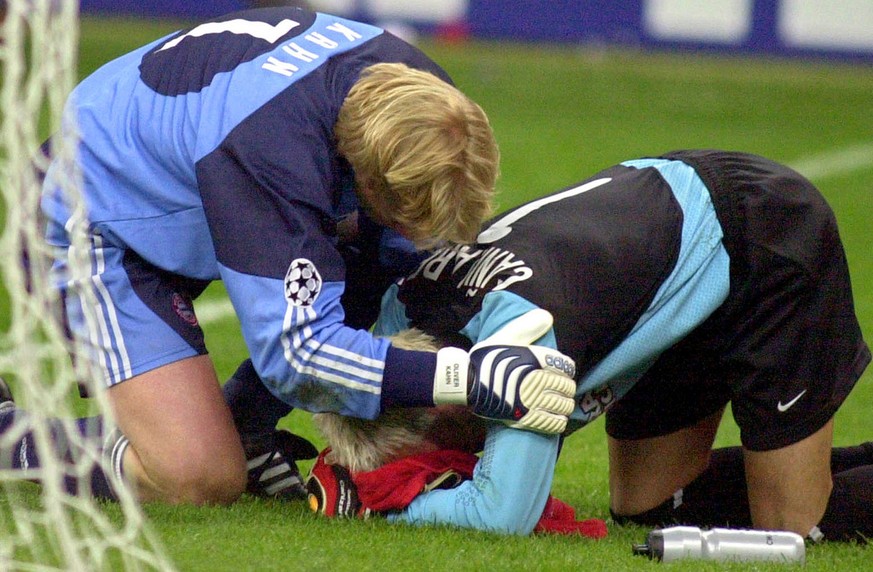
43, 526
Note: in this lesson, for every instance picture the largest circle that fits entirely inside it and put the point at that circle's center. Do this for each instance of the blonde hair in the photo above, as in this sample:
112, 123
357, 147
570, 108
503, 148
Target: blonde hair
424, 148
365, 445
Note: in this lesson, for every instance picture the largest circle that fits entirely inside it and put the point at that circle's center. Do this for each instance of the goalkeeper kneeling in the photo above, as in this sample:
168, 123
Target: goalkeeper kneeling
678, 285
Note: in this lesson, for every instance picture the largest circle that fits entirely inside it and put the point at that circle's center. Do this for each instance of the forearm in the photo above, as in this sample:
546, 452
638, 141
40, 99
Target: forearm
508, 492
305, 355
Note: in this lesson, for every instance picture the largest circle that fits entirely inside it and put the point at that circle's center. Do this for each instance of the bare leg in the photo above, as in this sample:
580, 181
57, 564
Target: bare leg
789, 487
644, 472
183, 444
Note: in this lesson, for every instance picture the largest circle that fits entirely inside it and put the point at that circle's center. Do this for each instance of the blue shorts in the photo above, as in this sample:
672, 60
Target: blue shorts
131, 316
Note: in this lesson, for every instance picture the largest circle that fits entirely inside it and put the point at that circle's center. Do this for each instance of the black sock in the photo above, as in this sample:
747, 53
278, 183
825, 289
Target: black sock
849, 515
255, 410
23, 455
718, 497
845, 458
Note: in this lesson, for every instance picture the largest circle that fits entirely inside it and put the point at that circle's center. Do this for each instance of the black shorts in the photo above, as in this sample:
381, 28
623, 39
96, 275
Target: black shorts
785, 348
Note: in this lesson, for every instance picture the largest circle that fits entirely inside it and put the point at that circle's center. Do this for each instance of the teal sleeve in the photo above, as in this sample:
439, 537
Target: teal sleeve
512, 480
498, 309
508, 492
392, 314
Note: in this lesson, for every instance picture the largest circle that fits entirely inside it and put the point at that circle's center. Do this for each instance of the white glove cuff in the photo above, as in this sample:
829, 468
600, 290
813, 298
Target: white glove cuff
450, 378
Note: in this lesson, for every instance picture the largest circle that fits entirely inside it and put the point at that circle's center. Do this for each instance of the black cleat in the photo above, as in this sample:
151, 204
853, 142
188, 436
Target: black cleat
272, 469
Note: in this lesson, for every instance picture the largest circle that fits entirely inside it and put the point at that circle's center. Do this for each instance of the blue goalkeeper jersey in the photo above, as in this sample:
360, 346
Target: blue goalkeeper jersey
628, 262
210, 154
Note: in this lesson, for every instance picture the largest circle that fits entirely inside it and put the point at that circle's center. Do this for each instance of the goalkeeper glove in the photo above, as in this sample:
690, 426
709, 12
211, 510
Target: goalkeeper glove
331, 490
272, 470
502, 378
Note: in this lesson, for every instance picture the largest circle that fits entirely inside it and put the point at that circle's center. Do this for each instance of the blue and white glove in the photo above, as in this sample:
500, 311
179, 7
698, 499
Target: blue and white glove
505, 379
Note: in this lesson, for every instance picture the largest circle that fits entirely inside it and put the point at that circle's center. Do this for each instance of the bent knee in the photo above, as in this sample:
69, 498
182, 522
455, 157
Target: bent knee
795, 508
200, 487
789, 487
195, 480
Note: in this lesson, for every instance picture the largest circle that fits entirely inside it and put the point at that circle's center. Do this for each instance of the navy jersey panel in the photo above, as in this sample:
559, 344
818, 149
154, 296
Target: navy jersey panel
277, 178
594, 259
189, 60
142, 145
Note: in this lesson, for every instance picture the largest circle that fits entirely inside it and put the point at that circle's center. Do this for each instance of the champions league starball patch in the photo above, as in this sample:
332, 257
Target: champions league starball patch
302, 283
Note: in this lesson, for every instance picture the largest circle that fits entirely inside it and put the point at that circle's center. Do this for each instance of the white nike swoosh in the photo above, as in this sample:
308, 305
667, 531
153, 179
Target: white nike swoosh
783, 407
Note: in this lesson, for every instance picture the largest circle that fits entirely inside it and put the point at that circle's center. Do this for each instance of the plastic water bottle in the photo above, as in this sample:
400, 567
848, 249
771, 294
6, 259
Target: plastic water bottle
689, 542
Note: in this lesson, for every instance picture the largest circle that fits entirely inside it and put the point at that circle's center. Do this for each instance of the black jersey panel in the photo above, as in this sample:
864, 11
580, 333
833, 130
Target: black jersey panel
598, 258
594, 259
438, 306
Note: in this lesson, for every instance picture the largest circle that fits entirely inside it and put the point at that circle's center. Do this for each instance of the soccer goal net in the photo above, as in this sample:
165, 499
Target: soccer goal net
43, 525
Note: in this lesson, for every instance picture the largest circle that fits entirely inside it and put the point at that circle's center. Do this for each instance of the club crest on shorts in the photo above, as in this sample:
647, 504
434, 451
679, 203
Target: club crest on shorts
184, 308
302, 283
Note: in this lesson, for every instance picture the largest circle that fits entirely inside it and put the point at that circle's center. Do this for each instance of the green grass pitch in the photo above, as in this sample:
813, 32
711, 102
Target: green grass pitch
560, 114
